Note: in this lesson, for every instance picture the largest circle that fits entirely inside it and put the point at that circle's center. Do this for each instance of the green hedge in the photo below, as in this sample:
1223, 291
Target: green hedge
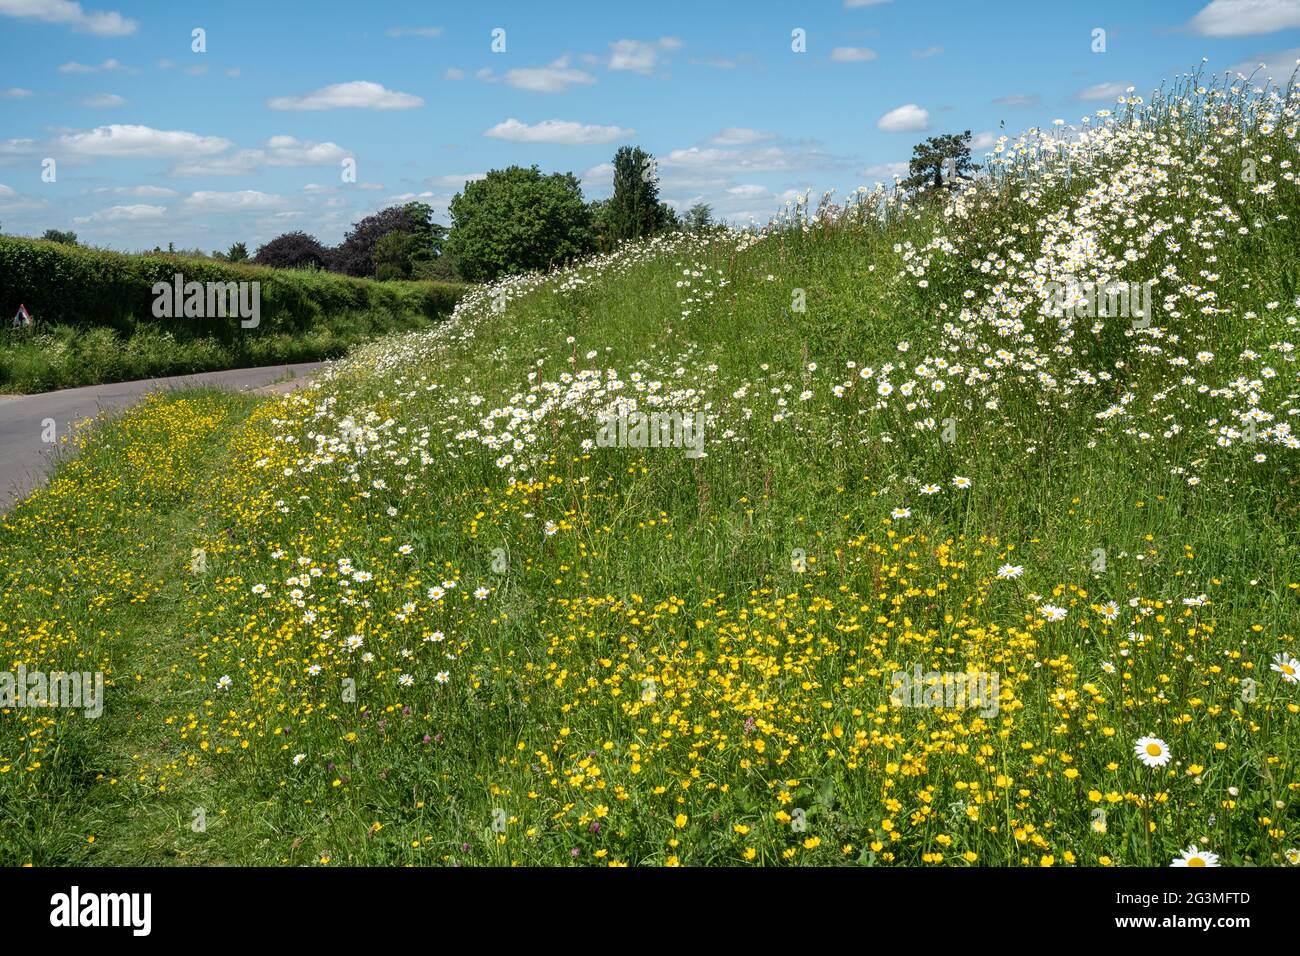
74, 286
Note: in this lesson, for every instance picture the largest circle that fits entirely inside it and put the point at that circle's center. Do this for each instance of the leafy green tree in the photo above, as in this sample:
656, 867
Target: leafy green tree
58, 235
428, 235
699, 217
635, 209
940, 162
515, 220
393, 254
238, 252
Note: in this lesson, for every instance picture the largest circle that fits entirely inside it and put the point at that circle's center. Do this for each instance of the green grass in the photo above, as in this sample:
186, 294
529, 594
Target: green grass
687, 660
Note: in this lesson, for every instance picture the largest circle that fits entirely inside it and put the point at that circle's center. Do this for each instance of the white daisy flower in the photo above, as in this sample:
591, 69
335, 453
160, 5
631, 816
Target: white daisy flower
1152, 751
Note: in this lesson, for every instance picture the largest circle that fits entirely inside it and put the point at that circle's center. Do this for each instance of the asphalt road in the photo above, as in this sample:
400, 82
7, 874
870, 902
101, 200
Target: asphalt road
25, 458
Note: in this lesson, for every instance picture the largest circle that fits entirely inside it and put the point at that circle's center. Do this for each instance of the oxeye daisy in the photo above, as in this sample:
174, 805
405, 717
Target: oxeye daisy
929, 489
1053, 613
1009, 571
1193, 856
898, 513
481, 593
960, 482
1152, 751
1287, 666
224, 682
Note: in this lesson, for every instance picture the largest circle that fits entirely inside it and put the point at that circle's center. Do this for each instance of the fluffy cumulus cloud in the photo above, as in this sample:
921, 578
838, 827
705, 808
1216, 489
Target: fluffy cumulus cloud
565, 132
276, 151
905, 119
1237, 18
241, 200
556, 77
639, 56
104, 23
134, 213
119, 141
357, 95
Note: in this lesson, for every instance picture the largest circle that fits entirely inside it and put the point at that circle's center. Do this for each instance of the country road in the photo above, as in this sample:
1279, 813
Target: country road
25, 458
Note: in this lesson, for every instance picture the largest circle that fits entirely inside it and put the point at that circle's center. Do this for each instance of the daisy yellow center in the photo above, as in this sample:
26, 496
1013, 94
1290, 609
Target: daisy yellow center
1153, 750
1196, 861
1288, 670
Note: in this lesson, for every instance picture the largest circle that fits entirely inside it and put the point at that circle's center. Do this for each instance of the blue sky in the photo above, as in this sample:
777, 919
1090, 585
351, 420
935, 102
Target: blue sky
155, 143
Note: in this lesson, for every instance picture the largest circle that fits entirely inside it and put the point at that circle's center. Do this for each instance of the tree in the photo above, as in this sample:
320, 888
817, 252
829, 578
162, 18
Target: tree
939, 155
516, 219
428, 235
293, 250
57, 235
699, 217
635, 209
393, 254
355, 255
238, 252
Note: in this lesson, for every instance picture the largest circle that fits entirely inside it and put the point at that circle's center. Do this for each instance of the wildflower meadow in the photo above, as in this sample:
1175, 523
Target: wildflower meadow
876, 536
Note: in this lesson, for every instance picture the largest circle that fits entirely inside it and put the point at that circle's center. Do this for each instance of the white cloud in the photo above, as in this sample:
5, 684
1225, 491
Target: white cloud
983, 141
853, 54
359, 94
453, 74
1103, 91
233, 201
455, 180
415, 32
1278, 65
600, 176
7, 190
639, 56
138, 142
68, 13
765, 159
102, 100
133, 213
276, 151
927, 52
906, 119
747, 191
557, 131
884, 172
14, 93
143, 192
850, 4
556, 77
108, 66
740, 136
1239, 18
